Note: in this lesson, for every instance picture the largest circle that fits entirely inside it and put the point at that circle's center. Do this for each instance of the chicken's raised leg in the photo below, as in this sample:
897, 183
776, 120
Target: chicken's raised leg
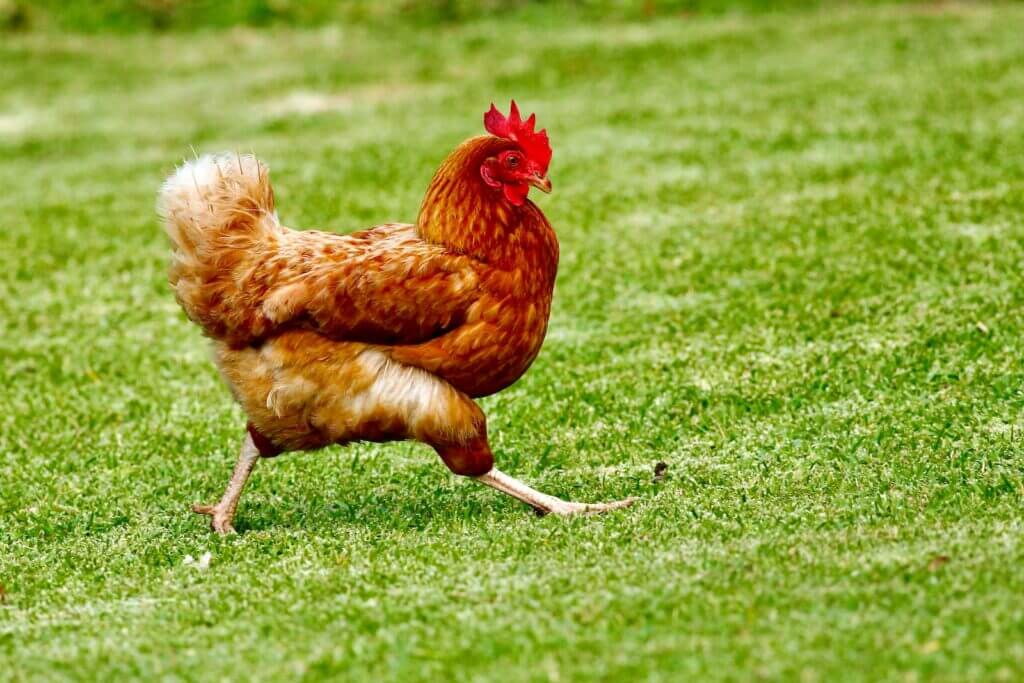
223, 513
542, 502
472, 457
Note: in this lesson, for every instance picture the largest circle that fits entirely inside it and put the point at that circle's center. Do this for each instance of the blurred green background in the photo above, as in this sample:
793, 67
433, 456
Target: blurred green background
128, 15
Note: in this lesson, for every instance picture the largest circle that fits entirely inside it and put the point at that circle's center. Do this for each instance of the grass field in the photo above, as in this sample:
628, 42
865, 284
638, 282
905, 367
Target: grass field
792, 248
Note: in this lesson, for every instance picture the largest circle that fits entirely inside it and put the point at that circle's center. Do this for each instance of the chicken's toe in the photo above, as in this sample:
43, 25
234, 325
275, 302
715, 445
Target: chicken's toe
568, 508
220, 519
222, 525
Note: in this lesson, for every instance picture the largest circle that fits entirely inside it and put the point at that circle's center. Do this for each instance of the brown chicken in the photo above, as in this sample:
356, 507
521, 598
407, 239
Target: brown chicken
381, 335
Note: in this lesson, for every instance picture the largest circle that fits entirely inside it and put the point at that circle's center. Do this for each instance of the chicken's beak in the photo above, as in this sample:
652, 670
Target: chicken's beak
541, 182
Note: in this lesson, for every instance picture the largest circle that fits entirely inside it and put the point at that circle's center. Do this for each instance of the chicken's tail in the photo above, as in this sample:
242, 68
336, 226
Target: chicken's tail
219, 213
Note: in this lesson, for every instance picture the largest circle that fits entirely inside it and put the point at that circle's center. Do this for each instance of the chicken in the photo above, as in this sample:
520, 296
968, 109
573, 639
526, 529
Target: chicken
384, 334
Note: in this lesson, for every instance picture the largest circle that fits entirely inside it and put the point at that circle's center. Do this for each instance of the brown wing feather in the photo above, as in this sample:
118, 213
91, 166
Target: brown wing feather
384, 285
243, 276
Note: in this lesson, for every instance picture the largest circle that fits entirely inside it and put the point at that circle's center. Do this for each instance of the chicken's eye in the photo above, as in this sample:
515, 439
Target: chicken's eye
512, 161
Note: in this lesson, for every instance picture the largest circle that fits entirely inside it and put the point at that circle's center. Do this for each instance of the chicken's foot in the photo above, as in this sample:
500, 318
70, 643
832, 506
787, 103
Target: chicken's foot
542, 502
223, 513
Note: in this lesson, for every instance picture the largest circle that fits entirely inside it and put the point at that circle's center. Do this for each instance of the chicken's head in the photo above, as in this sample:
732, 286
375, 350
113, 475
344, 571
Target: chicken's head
514, 170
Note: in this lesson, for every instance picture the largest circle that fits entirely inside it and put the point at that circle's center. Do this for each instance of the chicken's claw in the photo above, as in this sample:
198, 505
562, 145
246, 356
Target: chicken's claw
220, 519
569, 508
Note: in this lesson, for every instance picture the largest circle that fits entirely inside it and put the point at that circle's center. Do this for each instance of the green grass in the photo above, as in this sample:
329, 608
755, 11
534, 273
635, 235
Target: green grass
792, 248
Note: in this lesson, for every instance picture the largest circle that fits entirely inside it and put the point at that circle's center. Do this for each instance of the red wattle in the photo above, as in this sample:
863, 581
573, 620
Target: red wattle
516, 193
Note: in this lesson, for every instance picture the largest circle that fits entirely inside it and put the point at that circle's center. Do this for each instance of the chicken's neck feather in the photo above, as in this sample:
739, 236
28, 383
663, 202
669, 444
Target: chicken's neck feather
462, 213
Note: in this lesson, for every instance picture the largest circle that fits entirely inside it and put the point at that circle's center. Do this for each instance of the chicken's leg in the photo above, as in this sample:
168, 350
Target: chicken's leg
473, 458
223, 513
542, 502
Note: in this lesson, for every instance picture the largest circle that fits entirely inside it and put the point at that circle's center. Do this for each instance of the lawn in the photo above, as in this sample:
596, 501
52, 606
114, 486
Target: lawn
791, 256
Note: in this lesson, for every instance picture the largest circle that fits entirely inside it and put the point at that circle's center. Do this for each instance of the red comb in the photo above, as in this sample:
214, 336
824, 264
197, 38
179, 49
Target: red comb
534, 145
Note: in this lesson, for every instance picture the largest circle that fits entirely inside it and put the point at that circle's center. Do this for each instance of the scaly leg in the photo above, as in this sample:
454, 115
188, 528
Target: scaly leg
542, 502
473, 458
223, 513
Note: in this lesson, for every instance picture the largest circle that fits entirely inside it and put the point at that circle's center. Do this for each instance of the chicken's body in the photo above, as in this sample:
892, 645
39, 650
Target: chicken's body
380, 335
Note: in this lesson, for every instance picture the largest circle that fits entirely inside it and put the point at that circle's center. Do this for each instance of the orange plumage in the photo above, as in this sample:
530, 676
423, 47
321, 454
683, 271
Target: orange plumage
383, 334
